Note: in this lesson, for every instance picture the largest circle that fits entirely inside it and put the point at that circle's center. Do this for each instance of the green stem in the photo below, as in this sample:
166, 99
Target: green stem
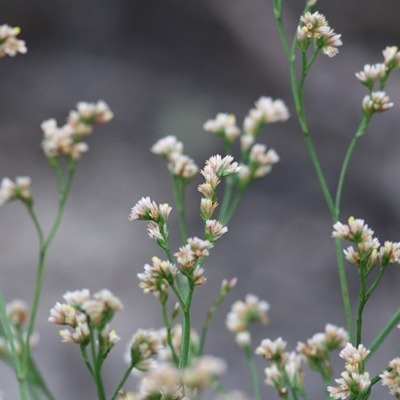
122, 382
253, 371
208, 319
344, 288
233, 207
360, 131
167, 324
362, 300
185, 345
42, 254
179, 193
384, 332
85, 359
229, 183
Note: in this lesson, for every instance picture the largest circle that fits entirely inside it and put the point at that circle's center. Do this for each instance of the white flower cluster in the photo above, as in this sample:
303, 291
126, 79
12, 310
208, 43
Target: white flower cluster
315, 26
67, 139
354, 381
179, 164
368, 250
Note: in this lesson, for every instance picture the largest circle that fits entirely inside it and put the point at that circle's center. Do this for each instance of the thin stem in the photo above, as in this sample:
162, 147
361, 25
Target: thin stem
123, 380
167, 324
42, 254
208, 319
384, 332
362, 300
345, 289
360, 131
229, 184
179, 194
185, 346
253, 371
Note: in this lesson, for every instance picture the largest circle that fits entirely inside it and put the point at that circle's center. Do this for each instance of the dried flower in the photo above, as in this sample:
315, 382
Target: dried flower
17, 312
143, 345
167, 147
315, 25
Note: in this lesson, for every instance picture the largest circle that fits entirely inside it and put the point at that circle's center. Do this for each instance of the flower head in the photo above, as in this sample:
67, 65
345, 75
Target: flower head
245, 312
376, 102
371, 73
223, 125
20, 189
391, 378
314, 25
391, 57
9, 44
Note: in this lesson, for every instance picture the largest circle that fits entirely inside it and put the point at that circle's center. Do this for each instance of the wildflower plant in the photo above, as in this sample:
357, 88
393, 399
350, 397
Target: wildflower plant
170, 362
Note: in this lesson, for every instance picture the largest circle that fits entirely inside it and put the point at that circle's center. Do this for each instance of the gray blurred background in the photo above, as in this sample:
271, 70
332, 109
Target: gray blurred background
165, 67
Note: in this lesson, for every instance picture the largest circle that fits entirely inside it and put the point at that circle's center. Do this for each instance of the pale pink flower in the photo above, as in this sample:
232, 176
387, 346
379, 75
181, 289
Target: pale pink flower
350, 383
371, 73
207, 207
223, 125
77, 297
183, 166
272, 350
214, 230
391, 56
391, 379
146, 209
389, 253
167, 146
376, 102
330, 42
221, 166
9, 44
10, 190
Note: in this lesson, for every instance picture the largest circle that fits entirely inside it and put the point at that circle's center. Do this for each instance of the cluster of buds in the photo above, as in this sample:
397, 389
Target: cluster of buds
17, 314
314, 26
354, 382
391, 377
378, 101
9, 44
216, 167
86, 314
368, 249
286, 369
243, 313
179, 164
191, 257
224, 125
147, 210
67, 139
266, 111
317, 350
143, 346
20, 189
157, 277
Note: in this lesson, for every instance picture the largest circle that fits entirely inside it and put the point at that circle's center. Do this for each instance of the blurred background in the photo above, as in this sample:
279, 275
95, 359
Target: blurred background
164, 68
